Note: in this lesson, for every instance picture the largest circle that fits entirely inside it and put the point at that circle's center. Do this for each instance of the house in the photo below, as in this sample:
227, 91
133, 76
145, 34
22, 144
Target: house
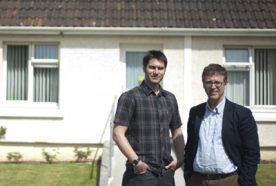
63, 65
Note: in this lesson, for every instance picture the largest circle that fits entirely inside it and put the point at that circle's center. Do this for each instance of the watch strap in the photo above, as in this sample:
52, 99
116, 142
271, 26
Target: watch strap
135, 162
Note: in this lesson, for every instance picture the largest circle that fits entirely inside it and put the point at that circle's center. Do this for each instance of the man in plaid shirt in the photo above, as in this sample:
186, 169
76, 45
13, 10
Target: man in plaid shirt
143, 121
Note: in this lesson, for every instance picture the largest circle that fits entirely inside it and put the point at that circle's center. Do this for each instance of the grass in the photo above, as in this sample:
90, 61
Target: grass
78, 174
266, 175
56, 174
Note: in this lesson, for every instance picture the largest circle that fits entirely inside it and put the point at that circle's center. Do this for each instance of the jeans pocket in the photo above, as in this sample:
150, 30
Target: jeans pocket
144, 176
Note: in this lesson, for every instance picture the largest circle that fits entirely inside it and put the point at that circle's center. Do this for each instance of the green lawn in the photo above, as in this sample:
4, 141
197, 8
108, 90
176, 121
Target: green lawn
56, 174
78, 174
266, 175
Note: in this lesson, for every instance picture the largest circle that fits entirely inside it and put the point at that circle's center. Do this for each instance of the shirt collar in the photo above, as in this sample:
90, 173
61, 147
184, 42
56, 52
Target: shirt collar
147, 90
219, 108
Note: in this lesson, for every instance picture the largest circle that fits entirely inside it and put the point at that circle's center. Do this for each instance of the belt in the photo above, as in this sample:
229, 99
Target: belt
157, 171
216, 176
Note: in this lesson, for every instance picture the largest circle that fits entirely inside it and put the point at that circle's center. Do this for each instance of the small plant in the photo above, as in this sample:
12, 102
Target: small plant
49, 158
14, 156
82, 155
3, 131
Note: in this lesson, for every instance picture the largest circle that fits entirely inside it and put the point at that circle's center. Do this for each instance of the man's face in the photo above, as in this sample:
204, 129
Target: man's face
214, 86
154, 71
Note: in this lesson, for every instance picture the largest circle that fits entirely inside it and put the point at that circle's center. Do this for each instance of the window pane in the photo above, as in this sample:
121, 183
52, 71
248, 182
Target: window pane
46, 52
134, 69
265, 76
238, 87
46, 85
17, 72
237, 55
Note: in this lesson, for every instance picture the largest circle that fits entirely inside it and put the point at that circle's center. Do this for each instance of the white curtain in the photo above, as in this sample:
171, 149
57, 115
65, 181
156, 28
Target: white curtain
17, 72
45, 78
238, 87
265, 76
46, 85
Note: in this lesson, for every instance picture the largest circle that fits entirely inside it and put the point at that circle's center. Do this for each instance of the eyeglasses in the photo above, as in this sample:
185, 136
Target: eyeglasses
211, 83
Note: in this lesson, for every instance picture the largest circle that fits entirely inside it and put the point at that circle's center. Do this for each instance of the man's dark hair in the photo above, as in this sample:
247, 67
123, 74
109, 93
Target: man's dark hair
212, 69
154, 54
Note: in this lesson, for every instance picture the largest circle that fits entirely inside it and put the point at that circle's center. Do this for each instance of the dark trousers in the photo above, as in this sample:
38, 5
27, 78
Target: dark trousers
163, 178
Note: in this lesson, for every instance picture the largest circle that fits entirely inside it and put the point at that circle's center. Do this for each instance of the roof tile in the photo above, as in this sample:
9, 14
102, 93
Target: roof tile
142, 13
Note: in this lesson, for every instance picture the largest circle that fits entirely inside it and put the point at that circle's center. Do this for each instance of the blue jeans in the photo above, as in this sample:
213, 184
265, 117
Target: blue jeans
164, 177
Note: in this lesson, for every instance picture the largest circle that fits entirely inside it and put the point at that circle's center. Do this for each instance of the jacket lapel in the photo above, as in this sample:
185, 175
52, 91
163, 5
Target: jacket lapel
199, 117
226, 116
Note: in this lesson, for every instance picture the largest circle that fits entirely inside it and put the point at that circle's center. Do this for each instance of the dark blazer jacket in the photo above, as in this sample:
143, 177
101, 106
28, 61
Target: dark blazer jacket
239, 137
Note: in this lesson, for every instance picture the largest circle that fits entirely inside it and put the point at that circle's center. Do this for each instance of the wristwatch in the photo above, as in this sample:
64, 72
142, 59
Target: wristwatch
135, 162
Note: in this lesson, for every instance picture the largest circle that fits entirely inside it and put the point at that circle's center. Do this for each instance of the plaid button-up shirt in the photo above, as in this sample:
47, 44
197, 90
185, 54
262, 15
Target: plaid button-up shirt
149, 119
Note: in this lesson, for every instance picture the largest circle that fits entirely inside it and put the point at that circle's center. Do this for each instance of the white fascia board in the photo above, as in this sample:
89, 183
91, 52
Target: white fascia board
135, 31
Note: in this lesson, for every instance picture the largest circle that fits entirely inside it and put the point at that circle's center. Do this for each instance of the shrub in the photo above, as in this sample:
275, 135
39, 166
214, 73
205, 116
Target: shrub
14, 156
49, 157
82, 155
3, 131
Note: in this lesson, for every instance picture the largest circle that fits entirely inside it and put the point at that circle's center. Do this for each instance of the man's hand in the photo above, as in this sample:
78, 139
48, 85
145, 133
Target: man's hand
141, 168
175, 164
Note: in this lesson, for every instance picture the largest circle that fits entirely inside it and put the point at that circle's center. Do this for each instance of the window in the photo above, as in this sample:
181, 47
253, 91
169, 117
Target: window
251, 75
134, 69
32, 73
265, 76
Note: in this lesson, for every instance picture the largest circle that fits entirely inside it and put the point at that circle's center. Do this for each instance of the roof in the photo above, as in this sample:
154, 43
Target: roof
233, 14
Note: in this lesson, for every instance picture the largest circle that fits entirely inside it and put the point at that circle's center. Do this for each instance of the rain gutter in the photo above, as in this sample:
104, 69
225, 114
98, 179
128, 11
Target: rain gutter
127, 31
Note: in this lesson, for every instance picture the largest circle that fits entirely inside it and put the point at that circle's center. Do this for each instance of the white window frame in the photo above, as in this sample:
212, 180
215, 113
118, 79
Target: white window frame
28, 108
261, 112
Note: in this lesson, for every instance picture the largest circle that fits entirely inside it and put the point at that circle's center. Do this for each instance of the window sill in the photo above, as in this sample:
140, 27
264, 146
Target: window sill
35, 112
264, 115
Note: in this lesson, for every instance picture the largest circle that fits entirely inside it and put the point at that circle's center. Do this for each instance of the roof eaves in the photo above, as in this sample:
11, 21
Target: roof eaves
136, 31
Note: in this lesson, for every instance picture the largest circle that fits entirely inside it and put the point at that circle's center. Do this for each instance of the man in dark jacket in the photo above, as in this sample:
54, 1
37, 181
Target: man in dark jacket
222, 147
